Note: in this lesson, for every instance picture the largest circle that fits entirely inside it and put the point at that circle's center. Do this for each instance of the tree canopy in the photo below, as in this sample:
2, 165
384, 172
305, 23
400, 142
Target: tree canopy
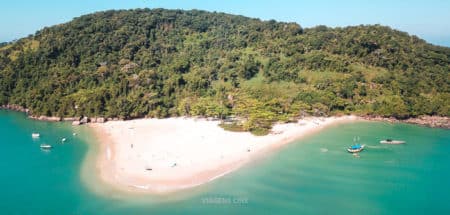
161, 63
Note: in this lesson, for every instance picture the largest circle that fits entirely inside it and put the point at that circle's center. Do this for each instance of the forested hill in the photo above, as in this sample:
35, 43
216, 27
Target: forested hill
160, 63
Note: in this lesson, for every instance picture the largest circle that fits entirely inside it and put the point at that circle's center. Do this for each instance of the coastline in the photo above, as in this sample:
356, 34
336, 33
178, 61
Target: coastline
423, 120
136, 182
427, 121
161, 156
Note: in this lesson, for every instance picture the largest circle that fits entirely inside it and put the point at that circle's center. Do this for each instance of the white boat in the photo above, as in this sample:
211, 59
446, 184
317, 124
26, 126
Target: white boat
390, 141
45, 146
35, 135
63, 140
355, 148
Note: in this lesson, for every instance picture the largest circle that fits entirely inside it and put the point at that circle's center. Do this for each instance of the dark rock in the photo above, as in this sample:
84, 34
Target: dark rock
84, 120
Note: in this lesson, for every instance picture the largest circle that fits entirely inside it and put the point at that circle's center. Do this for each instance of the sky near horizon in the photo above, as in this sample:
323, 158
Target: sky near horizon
429, 20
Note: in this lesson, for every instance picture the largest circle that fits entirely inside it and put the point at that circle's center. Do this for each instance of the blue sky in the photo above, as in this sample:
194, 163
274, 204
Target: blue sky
429, 20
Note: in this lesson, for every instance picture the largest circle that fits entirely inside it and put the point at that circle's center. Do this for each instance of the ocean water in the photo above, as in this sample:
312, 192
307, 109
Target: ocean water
314, 175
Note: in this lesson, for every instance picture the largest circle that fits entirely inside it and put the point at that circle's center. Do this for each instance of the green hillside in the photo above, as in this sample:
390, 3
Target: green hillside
161, 63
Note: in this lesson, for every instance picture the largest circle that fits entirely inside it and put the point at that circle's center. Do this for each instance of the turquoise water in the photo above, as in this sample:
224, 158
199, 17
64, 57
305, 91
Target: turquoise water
312, 176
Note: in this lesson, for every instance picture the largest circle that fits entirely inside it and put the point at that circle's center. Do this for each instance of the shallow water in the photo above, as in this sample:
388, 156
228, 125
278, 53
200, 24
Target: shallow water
314, 175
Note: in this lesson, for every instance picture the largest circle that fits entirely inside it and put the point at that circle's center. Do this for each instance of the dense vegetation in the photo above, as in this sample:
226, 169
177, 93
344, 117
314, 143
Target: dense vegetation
161, 63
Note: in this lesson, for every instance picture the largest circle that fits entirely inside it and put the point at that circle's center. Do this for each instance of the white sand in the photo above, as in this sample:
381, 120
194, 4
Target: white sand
165, 155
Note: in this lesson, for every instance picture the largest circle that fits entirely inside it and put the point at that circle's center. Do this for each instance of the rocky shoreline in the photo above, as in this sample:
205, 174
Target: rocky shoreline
15, 108
428, 121
75, 120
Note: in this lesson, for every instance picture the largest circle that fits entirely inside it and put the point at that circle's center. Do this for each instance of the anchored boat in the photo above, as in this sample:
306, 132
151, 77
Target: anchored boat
355, 148
45, 146
35, 135
390, 141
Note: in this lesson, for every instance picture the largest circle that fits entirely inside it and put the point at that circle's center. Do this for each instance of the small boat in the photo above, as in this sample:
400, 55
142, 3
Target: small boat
45, 146
35, 135
355, 148
390, 141
63, 140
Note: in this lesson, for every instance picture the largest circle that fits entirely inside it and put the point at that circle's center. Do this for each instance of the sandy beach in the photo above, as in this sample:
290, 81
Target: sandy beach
166, 155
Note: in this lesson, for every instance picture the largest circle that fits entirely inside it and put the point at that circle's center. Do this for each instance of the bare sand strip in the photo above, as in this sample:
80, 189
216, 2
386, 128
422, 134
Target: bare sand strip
166, 155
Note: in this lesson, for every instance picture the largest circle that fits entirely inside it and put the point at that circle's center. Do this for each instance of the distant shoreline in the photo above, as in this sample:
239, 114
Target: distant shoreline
425, 120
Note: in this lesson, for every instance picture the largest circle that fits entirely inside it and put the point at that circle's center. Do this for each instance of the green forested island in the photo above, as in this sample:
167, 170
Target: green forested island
161, 63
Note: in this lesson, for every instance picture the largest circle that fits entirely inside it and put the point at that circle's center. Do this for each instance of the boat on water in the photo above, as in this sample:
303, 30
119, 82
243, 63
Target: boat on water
35, 135
63, 140
390, 141
355, 148
45, 146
